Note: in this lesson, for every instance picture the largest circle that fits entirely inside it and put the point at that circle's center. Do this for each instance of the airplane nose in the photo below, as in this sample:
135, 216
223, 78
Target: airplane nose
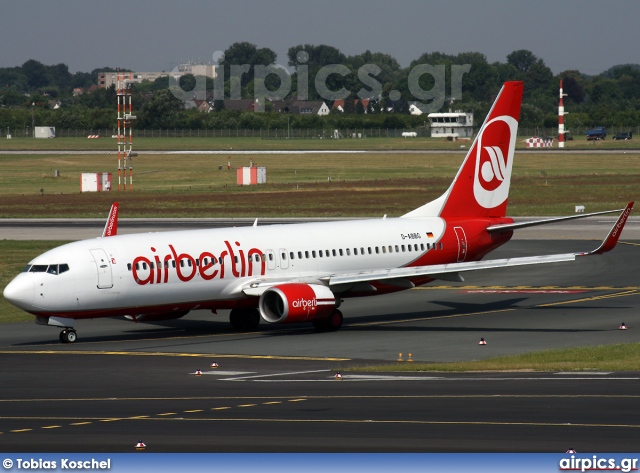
20, 292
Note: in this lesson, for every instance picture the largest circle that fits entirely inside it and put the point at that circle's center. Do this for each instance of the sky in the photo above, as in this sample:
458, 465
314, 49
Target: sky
156, 35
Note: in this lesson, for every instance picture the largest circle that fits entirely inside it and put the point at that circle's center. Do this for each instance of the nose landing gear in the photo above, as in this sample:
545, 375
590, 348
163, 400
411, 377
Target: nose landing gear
68, 336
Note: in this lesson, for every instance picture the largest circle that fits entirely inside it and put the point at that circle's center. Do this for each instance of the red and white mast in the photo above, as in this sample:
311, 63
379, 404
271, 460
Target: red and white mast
561, 114
125, 115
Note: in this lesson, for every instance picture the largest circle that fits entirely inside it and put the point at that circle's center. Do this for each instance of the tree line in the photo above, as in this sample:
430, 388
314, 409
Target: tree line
28, 92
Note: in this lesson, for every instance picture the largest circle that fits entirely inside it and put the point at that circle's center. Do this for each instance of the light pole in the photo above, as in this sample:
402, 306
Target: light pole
33, 129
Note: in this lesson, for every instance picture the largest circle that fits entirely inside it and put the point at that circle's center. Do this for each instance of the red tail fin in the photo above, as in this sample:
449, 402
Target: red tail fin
481, 187
111, 227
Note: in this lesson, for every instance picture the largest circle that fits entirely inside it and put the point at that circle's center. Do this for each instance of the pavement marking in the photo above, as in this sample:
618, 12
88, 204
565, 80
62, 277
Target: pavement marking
223, 408
246, 405
168, 414
296, 400
81, 423
195, 410
404, 422
272, 402
243, 378
168, 354
51, 427
20, 430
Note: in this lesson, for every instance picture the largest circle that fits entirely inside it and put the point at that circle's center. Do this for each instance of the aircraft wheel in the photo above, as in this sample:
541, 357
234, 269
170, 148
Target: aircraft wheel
252, 319
71, 336
334, 322
331, 323
68, 336
244, 319
235, 318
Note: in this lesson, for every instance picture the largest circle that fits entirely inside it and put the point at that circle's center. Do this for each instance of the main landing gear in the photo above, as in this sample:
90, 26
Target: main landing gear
244, 320
331, 323
68, 335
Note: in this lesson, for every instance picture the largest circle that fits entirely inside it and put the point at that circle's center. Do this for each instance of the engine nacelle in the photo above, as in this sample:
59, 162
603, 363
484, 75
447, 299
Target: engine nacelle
294, 303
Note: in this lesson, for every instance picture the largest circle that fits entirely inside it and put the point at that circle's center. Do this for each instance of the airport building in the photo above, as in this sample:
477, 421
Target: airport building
107, 79
451, 124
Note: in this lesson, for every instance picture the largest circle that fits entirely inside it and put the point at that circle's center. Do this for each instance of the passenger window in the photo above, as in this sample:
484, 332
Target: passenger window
144, 265
326, 253
377, 250
355, 251
362, 251
129, 266
384, 249
390, 249
320, 253
137, 266
299, 254
334, 252
422, 246
235, 258
440, 245
173, 263
397, 249
270, 256
151, 265
306, 254
340, 251
348, 252
181, 264
284, 256
291, 255
402, 247
313, 253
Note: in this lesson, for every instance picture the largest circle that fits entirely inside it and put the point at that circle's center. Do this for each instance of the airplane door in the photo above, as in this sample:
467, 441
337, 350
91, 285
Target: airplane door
462, 243
271, 259
103, 265
284, 259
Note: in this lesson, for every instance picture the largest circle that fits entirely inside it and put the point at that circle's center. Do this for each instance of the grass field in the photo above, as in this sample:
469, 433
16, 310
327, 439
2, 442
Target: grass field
327, 185
620, 357
249, 143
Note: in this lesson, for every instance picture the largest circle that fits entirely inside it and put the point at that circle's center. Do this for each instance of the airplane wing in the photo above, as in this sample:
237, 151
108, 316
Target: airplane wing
402, 276
436, 271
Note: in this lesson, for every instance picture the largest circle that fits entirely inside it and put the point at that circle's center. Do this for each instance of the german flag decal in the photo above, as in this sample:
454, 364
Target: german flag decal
429, 235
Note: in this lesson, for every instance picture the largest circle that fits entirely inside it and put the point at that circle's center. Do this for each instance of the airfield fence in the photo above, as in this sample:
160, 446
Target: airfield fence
302, 133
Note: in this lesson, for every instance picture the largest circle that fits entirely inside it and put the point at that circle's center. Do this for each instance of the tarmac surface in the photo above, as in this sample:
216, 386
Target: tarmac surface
275, 390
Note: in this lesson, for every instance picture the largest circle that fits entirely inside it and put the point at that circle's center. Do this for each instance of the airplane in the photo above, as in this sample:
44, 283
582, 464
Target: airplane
293, 273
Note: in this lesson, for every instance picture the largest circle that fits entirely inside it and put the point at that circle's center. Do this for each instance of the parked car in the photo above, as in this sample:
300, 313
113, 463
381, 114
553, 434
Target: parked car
625, 135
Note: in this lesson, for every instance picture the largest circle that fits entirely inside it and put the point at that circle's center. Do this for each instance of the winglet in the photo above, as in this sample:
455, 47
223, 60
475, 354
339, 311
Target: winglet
111, 227
612, 238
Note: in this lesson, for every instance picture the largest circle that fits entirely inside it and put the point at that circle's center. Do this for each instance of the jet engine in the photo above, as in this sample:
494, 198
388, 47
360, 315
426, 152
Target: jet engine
294, 303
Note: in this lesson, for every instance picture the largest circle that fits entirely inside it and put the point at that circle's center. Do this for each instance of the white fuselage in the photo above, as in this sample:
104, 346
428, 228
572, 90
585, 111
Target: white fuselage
165, 271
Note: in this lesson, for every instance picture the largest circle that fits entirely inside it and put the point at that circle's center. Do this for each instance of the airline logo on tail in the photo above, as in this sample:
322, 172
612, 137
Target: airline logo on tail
494, 159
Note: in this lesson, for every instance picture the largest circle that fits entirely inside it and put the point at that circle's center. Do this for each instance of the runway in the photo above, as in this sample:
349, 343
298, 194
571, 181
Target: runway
274, 389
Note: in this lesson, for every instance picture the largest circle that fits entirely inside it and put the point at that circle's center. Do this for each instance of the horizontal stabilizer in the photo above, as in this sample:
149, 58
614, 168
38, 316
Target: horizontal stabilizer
507, 227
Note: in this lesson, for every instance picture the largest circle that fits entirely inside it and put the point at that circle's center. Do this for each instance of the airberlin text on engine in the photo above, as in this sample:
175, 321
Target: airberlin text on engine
161, 269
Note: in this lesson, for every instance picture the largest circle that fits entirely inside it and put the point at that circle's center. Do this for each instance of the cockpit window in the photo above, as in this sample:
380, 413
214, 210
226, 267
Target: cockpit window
43, 268
26, 270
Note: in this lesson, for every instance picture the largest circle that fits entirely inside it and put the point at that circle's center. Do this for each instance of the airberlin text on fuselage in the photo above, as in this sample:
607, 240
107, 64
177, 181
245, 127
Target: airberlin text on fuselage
156, 269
